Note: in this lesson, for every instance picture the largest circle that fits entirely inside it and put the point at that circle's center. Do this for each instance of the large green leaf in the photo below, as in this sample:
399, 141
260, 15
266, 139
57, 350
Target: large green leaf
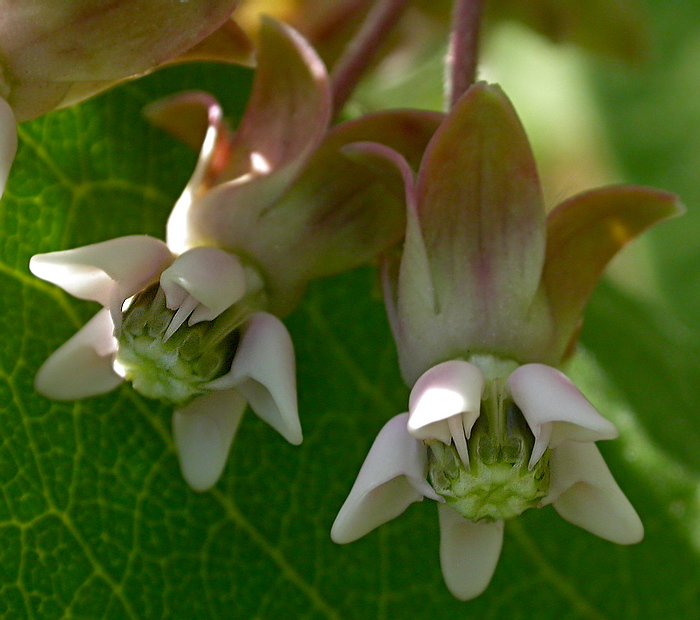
96, 521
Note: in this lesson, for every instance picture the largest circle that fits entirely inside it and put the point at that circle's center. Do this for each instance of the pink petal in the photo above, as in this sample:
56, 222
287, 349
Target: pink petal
195, 118
345, 208
8, 141
284, 123
264, 372
203, 432
468, 552
585, 493
290, 105
211, 276
555, 409
481, 226
583, 234
448, 389
82, 366
108, 272
391, 478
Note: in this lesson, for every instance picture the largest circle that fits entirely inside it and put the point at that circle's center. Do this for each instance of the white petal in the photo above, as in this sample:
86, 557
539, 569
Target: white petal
8, 141
448, 389
82, 366
203, 431
555, 409
215, 278
391, 478
585, 493
108, 272
468, 552
264, 371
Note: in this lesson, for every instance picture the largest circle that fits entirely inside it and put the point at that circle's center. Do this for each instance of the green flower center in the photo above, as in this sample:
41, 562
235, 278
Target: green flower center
496, 482
175, 368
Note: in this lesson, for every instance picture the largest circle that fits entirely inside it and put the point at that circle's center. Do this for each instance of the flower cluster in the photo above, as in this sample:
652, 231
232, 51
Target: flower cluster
485, 298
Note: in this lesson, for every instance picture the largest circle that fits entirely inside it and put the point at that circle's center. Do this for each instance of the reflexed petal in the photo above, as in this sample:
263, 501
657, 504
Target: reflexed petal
583, 234
203, 432
8, 141
446, 390
103, 272
188, 117
195, 118
468, 552
82, 366
346, 207
555, 409
264, 371
407, 132
391, 478
284, 122
585, 493
481, 219
213, 277
409, 295
289, 107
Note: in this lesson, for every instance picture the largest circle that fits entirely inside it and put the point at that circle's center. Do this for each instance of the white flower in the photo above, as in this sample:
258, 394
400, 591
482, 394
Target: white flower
134, 337
446, 409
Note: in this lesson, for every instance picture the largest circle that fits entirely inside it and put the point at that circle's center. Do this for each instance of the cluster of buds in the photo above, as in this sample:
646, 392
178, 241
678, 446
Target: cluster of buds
485, 300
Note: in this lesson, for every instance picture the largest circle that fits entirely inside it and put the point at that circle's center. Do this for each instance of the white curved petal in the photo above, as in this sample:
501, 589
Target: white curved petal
468, 552
555, 409
264, 371
82, 366
108, 272
451, 388
391, 478
8, 141
213, 277
585, 493
203, 432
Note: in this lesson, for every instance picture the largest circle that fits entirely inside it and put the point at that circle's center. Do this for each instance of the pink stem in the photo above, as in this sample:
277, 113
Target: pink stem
464, 46
353, 63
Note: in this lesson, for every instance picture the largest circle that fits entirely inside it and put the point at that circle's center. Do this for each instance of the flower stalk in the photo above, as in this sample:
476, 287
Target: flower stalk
380, 21
463, 52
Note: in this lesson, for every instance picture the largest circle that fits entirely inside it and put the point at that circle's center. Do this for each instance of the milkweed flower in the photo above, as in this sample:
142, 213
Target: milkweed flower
485, 303
194, 321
